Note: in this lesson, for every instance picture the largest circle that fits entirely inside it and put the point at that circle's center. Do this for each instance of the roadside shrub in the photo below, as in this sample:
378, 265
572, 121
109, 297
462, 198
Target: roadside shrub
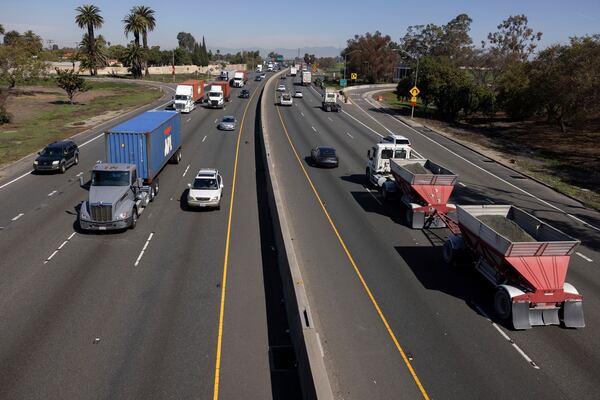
5, 116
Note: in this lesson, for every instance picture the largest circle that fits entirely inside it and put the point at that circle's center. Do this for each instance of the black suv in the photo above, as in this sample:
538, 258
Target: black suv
244, 94
57, 156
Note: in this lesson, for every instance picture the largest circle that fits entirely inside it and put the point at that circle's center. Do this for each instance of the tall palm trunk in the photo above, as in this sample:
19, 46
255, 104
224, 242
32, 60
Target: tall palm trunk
92, 49
145, 41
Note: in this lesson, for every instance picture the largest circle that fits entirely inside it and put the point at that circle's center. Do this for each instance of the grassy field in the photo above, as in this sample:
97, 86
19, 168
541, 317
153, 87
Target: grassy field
567, 162
42, 113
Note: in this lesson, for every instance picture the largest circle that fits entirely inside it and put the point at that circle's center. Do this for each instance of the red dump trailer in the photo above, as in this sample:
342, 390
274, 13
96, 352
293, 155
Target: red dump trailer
527, 261
425, 188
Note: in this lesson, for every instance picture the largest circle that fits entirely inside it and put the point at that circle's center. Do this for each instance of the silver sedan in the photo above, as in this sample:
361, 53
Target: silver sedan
228, 123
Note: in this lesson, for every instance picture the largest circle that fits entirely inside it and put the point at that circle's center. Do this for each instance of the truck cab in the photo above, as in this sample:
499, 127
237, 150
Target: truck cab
239, 79
116, 198
378, 164
216, 98
184, 101
329, 102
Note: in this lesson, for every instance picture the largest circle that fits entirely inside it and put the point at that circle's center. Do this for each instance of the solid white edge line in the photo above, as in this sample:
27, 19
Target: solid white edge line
508, 339
137, 262
16, 179
18, 216
486, 171
586, 258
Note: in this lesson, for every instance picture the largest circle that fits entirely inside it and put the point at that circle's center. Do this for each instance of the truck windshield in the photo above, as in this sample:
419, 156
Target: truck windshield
181, 97
214, 94
110, 178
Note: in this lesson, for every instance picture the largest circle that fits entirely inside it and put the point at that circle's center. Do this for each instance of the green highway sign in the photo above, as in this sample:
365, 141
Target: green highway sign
343, 82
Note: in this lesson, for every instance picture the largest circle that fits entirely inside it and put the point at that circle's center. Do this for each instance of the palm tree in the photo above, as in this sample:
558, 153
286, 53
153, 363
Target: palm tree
89, 17
100, 52
135, 24
150, 23
134, 59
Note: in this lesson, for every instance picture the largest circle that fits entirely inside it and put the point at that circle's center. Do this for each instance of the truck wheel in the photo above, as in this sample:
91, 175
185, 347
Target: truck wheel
134, 217
502, 304
448, 253
152, 193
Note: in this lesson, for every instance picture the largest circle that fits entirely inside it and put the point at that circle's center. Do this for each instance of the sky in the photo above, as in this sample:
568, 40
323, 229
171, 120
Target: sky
297, 24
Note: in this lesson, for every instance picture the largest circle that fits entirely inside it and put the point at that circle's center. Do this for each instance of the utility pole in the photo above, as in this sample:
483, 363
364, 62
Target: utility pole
173, 72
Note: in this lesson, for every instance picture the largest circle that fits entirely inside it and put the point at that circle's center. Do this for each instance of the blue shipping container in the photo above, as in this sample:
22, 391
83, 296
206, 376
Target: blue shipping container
147, 140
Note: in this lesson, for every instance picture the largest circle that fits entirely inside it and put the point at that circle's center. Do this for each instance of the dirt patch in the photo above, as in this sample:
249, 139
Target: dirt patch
98, 119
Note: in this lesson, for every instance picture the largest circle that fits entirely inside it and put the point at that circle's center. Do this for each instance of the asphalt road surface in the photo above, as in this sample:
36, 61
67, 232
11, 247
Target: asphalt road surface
395, 321
81, 321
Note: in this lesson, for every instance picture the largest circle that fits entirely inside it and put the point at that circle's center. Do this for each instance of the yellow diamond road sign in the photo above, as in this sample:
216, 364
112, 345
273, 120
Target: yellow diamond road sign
354, 76
414, 91
413, 99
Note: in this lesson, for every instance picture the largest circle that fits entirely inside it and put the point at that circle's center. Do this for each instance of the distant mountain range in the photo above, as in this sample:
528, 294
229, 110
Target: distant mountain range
325, 51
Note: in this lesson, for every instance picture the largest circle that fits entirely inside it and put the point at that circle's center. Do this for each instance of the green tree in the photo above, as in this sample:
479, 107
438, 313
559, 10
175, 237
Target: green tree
17, 65
88, 16
514, 38
117, 52
134, 59
155, 57
71, 82
186, 41
372, 55
204, 59
147, 15
11, 38
100, 53
1, 29
182, 57
197, 57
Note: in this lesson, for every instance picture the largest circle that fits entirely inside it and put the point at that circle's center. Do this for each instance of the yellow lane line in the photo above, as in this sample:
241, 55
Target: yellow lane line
226, 260
356, 269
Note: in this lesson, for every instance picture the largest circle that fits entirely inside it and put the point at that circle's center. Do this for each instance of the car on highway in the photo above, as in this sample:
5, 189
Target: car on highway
285, 99
57, 156
228, 123
206, 190
263, 76
322, 156
244, 94
283, 76
258, 78
281, 88
298, 93
396, 139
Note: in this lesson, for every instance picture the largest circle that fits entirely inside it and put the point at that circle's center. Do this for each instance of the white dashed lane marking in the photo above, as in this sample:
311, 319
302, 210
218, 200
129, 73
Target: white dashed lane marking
18, 216
137, 262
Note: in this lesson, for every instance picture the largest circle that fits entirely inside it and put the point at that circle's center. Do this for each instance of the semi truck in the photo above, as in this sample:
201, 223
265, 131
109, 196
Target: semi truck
187, 94
306, 78
329, 101
224, 76
259, 68
293, 71
240, 78
218, 94
123, 186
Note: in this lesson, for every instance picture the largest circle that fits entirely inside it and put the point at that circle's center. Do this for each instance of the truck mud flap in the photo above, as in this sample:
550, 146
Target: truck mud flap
573, 314
544, 317
520, 316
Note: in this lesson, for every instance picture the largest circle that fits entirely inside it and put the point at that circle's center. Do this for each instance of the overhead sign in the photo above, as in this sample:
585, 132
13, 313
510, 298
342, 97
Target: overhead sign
279, 58
343, 82
354, 76
414, 92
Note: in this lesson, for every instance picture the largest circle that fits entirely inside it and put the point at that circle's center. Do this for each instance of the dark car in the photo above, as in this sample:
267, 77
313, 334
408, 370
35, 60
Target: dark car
244, 94
283, 76
57, 156
258, 78
324, 157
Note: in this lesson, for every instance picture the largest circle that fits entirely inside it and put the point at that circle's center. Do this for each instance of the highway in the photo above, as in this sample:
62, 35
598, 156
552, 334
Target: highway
190, 303
141, 313
394, 320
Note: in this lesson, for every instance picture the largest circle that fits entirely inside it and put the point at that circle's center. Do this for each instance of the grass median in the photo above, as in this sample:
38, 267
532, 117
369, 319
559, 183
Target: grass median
42, 114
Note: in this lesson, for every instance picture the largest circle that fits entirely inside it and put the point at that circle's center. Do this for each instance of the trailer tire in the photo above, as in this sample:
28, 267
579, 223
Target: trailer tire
502, 304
